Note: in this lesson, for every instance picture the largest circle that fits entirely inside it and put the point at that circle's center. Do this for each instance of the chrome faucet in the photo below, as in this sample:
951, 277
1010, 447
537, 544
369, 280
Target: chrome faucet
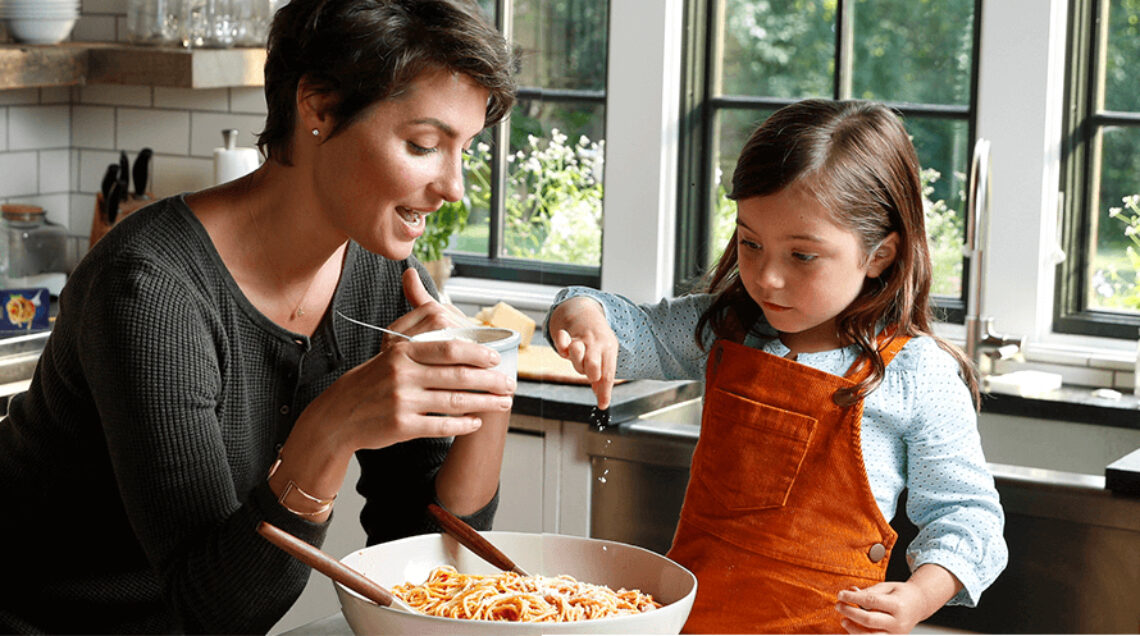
984, 346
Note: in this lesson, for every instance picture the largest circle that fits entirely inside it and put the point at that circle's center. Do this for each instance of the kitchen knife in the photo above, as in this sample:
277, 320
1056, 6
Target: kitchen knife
112, 202
124, 176
109, 178
141, 172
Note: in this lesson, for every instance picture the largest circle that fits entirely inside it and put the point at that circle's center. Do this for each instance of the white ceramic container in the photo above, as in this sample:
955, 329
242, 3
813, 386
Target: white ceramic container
505, 341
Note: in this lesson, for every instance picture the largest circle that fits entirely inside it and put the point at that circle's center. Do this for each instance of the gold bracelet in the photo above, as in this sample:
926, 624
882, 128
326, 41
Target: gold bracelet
291, 486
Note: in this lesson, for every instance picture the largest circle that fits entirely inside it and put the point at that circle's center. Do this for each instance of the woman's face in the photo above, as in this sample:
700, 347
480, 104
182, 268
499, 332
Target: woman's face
800, 266
403, 159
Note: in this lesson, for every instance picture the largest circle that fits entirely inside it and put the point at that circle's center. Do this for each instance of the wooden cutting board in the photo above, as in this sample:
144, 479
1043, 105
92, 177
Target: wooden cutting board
542, 363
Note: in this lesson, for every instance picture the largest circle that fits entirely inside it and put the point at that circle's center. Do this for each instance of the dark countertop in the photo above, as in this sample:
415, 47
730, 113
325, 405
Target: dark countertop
576, 403
1069, 404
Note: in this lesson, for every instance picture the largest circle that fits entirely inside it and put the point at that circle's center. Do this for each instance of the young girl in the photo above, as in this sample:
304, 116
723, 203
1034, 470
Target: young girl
826, 392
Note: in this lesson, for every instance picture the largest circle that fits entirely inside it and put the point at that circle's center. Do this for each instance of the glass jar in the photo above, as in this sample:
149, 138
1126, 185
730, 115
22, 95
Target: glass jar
253, 20
154, 22
37, 254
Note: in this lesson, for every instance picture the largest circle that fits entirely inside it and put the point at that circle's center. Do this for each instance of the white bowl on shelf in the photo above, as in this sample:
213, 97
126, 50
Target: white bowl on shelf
40, 30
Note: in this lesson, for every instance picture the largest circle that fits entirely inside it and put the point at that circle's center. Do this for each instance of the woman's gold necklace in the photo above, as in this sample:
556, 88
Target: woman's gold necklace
298, 309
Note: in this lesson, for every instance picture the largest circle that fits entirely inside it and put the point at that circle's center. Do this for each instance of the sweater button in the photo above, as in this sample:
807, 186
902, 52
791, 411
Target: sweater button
284, 409
877, 552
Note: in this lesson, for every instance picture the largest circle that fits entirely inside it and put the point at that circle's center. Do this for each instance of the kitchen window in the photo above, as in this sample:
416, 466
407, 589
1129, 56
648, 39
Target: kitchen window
1097, 290
747, 58
535, 183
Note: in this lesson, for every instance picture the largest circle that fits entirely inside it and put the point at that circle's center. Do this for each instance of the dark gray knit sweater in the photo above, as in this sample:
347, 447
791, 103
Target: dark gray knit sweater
133, 470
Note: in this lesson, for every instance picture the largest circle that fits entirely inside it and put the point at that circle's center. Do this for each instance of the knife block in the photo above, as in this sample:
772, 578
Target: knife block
99, 225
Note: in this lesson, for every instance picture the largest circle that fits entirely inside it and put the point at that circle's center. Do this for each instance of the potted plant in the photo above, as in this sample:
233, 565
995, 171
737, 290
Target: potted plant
439, 226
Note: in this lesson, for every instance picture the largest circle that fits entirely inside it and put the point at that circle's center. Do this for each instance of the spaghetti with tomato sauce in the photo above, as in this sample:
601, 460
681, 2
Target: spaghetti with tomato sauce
509, 596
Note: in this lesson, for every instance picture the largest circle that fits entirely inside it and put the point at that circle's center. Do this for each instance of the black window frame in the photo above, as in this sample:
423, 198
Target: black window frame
1071, 314
492, 265
698, 112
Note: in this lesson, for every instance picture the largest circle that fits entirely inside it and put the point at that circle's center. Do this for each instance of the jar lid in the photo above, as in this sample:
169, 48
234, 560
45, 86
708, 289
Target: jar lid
22, 212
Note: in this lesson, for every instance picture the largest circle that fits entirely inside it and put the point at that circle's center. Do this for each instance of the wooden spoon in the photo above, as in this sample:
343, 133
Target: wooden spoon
472, 540
321, 561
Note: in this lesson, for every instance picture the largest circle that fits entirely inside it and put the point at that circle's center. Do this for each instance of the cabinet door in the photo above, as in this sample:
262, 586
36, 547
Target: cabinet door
520, 486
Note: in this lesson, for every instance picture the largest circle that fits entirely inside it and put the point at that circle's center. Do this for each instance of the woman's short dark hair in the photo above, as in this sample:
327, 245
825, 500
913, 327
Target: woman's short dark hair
365, 51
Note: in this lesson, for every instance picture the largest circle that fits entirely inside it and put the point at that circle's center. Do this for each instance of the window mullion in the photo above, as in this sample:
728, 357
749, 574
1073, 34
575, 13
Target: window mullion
844, 49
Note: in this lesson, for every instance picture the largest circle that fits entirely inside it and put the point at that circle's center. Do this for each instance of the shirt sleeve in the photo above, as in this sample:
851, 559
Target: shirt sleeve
951, 494
656, 341
150, 353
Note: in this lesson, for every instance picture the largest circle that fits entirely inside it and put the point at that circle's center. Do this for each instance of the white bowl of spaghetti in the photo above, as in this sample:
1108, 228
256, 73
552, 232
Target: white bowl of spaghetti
601, 577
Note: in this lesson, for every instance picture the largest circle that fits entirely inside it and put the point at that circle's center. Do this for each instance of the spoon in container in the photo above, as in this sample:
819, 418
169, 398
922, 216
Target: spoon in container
321, 561
471, 539
364, 324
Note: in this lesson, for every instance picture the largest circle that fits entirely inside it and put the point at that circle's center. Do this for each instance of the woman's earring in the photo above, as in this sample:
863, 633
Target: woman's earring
316, 132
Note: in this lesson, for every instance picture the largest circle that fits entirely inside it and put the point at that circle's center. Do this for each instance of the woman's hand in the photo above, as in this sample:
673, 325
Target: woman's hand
894, 607
582, 335
415, 389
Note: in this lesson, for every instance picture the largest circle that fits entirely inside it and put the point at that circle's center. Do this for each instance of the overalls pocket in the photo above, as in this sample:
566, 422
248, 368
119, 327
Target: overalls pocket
751, 457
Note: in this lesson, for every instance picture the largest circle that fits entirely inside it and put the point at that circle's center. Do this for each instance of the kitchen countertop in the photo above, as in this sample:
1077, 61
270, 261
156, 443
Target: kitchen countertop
630, 399
572, 402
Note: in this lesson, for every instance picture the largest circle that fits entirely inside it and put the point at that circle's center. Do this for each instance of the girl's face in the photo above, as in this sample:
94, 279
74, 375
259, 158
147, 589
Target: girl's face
402, 160
801, 267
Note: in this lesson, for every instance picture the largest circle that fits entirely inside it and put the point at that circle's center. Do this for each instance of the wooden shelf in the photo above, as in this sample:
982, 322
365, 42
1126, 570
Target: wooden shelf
78, 63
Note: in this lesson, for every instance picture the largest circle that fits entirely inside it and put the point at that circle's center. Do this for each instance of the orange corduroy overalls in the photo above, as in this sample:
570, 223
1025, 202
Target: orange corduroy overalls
778, 515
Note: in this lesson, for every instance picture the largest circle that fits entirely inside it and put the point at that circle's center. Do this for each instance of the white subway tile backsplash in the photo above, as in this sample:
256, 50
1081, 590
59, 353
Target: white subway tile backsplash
3, 129
104, 6
73, 159
1124, 381
192, 99
94, 28
206, 131
18, 174
82, 213
115, 95
36, 127
165, 131
173, 175
15, 96
248, 100
92, 165
93, 127
55, 171
55, 95
55, 205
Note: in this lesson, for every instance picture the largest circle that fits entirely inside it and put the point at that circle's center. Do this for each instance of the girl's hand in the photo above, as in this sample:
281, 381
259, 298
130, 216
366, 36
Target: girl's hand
891, 607
582, 336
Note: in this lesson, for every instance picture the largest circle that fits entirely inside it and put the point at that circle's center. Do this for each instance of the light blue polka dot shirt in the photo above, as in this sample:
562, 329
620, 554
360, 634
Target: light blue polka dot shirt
919, 429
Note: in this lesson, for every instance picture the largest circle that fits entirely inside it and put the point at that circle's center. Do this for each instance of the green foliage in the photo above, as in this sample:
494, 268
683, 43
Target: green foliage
554, 211
553, 203
944, 235
439, 226
1114, 283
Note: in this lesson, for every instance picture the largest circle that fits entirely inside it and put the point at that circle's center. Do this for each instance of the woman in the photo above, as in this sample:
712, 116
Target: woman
199, 379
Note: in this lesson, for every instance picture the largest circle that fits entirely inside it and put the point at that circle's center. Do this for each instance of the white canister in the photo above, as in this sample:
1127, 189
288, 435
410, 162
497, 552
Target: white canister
230, 161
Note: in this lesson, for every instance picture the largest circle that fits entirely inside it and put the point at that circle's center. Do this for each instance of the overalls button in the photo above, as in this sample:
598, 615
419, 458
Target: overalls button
877, 552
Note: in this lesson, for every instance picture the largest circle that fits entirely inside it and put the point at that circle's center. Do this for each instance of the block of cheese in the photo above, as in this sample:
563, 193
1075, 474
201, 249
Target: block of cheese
503, 315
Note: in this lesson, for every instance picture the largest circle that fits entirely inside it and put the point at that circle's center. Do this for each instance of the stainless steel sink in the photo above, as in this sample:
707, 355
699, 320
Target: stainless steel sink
19, 356
639, 471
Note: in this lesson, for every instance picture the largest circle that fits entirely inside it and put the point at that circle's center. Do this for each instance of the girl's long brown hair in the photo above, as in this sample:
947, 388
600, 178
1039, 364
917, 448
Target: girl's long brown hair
856, 158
